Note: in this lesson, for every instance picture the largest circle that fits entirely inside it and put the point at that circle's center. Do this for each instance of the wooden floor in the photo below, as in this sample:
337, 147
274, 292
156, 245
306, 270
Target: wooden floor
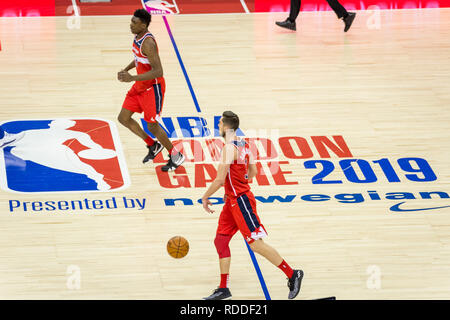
385, 88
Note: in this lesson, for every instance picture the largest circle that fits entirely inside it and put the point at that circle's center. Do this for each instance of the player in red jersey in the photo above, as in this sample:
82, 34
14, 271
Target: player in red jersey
147, 93
235, 170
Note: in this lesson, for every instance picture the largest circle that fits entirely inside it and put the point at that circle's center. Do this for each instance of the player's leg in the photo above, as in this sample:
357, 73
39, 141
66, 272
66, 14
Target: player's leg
152, 102
342, 13
289, 23
129, 107
176, 158
225, 230
160, 134
253, 231
221, 242
268, 252
294, 276
125, 119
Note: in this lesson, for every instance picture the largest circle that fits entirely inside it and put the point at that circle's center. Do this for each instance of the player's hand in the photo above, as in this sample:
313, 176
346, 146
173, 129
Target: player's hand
225, 198
206, 203
119, 75
124, 76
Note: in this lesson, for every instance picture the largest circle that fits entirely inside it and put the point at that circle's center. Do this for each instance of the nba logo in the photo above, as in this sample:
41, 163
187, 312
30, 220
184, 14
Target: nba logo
161, 7
63, 155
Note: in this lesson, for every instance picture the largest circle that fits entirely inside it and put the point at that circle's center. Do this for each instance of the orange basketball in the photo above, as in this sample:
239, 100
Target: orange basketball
177, 247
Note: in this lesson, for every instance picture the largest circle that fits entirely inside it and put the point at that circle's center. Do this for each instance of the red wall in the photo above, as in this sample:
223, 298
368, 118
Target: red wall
27, 8
23, 8
322, 5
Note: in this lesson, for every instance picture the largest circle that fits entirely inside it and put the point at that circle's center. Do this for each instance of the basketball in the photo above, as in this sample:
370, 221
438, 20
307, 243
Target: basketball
177, 247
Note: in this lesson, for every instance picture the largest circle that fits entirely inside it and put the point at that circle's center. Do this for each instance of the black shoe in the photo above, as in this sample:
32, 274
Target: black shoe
153, 151
220, 294
288, 24
174, 162
294, 283
348, 20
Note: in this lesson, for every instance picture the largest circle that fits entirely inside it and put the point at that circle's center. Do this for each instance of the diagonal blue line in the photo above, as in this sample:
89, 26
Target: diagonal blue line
182, 65
258, 272
188, 81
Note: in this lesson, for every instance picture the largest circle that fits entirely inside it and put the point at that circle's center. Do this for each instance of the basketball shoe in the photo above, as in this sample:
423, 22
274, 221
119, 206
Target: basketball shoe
294, 283
220, 294
174, 162
153, 151
288, 24
348, 20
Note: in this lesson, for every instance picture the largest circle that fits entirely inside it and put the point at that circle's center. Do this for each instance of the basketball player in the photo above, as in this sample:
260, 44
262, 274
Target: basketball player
235, 170
340, 11
147, 93
7, 138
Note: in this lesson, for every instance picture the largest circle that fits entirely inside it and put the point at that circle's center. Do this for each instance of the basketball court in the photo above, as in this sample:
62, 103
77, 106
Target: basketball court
351, 132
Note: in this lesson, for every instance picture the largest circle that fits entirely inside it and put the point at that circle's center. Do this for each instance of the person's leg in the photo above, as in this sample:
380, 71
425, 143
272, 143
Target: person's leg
160, 134
125, 119
221, 243
246, 217
152, 103
338, 8
225, 230
133, 103
342, 13
289, 23
294, 276
268, 252
294, 10
130, 105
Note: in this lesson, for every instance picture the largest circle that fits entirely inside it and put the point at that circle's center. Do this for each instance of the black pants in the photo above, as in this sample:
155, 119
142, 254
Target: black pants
334, 4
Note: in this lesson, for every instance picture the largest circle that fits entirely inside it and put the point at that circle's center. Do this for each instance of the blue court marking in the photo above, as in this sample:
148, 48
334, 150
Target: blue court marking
182, 64
396, 207
258, 272
252, 255
188, 81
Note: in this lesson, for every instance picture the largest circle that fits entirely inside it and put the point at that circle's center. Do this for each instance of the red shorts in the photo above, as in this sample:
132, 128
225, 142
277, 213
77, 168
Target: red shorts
149, 101
240, 214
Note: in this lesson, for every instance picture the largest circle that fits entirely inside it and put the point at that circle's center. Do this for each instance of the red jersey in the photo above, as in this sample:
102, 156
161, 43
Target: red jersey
236, 182
142, 64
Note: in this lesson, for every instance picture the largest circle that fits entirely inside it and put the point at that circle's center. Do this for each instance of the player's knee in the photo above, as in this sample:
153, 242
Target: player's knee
123, 120
221, 242
256, 246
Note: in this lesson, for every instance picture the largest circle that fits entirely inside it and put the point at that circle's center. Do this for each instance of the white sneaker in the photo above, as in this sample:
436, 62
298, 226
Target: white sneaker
174, 162
10, 138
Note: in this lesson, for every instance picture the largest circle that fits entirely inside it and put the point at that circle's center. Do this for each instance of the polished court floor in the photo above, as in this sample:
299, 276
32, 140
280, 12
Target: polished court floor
383, 87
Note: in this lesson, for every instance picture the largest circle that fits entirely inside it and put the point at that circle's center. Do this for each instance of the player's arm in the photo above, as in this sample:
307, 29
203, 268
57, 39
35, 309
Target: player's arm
130, 66
252, 170
228, 155
149, 49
